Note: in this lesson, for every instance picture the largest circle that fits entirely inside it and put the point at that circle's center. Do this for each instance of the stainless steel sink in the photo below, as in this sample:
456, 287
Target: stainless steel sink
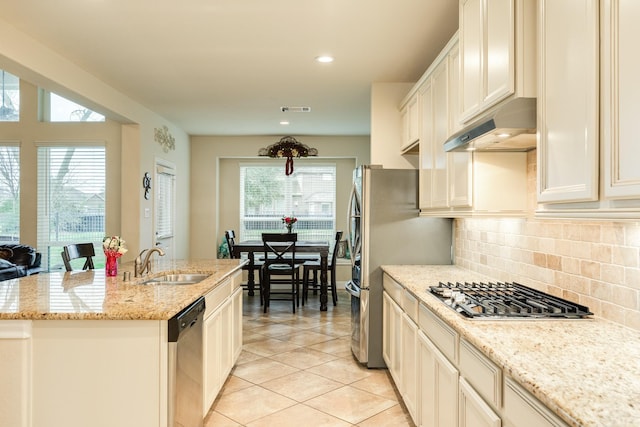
176, 279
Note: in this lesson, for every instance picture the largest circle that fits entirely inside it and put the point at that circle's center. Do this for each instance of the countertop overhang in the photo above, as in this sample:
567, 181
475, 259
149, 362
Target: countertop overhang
587, 371
90, 295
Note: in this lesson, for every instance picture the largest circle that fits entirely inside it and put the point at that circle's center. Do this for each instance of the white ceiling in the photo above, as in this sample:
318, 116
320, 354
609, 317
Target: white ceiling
225, 67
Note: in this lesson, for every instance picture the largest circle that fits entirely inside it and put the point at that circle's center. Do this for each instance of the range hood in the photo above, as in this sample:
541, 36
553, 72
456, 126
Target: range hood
509, 127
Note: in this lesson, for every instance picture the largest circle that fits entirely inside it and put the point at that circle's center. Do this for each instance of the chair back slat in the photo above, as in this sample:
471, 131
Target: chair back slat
230, 237
277, 245
79, 250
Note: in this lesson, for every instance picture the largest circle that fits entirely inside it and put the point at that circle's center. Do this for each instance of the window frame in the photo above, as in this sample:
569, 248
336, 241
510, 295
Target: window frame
51, 248
272, 222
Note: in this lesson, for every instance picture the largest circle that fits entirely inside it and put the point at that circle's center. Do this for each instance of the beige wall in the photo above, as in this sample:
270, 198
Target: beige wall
386, 126
593, 263
215, 174
131, 149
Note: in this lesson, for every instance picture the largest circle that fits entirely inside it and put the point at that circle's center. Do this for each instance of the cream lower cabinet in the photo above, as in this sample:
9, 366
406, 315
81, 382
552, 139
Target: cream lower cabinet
99, 373
523, 410
15, 368
443, 379
392, 338
474, 412
438, 387
222, 336
409, 364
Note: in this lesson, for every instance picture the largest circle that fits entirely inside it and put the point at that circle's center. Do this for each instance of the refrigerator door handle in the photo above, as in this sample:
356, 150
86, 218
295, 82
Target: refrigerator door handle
352, 289
353, 251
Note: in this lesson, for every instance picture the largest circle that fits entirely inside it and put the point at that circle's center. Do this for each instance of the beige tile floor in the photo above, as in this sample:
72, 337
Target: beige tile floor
297, 369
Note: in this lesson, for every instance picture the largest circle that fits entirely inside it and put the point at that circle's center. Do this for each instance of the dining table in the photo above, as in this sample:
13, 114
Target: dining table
250, 247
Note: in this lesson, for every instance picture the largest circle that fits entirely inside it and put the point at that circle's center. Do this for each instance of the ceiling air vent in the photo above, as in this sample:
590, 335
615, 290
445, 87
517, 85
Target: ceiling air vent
295, 109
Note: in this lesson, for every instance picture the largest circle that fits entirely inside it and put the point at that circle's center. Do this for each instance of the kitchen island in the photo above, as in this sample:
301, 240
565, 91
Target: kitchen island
79, 348
584, 371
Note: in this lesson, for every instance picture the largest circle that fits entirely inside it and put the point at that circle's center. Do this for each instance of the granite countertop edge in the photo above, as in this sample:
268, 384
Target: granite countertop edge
583, 370
96, 297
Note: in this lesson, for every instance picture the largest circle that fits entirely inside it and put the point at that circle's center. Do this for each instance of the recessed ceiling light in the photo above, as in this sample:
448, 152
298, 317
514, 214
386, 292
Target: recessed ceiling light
284, 122
324, 59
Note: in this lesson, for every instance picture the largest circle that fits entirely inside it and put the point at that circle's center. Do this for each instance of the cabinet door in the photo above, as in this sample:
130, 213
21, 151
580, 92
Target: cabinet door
211, 358
471, 49
474, 412
568, 101
498, 57
409, 364
427, 160
620, 89
386, 328
454, 89
487, 53
440, 82
392, 338
460, 179
217, 352
438, 387
411, 122
236, 342
521, 409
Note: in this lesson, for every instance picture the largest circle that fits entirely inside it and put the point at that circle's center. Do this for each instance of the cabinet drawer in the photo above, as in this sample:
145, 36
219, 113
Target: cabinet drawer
393, 288
217, 296
521, 409
445, 338
484, 375
410, 305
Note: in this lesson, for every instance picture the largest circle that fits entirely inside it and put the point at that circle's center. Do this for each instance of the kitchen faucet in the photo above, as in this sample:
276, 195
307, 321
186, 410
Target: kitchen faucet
145, 265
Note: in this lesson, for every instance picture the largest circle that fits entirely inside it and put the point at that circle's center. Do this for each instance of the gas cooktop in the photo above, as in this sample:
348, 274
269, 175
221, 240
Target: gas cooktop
505, 300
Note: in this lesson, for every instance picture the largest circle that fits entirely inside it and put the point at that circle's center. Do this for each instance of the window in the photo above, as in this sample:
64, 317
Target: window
71, 200
59, 109
165, 209
267, 194
9, 193
10, 92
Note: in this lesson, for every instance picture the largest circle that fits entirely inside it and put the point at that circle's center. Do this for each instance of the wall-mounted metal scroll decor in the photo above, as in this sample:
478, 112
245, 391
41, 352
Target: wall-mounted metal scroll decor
165, 139
146, 184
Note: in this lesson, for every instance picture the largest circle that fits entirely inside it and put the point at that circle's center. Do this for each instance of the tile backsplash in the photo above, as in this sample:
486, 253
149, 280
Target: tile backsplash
596, 264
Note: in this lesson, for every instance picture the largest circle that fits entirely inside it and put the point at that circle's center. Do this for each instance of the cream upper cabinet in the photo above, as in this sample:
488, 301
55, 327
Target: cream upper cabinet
411, 125
427, 155
568, 101
497, 53
439, 94
587, 107
620, 86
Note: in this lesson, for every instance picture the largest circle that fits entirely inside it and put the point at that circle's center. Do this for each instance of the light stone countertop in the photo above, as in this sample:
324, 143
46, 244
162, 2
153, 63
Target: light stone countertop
587, 371
89, 295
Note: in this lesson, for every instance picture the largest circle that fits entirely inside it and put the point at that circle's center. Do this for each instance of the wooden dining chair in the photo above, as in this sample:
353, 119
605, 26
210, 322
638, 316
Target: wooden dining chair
78, 250
314, 267
230, 237
280, 268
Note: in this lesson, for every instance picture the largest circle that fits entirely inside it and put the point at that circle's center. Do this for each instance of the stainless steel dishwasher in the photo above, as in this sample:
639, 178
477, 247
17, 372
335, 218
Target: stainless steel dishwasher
185, 367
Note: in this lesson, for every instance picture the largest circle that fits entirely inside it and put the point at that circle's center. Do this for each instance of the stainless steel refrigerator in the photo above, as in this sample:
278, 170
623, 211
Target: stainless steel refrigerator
384, 227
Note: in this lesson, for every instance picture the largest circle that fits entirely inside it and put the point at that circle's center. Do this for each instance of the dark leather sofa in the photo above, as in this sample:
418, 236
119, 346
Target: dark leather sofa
18, 260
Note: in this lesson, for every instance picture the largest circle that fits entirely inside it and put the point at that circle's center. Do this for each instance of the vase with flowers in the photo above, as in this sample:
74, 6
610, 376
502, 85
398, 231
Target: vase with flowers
114, 247
288, 222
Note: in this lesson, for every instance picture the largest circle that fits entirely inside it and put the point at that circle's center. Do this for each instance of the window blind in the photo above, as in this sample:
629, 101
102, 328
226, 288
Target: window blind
165, 194
9, 192
267, 195
71, 199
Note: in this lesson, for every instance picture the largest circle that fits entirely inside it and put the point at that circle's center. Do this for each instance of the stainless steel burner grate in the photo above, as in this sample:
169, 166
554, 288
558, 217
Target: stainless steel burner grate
505, 300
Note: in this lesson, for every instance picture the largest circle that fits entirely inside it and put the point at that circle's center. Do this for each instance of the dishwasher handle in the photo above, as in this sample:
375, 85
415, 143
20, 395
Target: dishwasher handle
186, 319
